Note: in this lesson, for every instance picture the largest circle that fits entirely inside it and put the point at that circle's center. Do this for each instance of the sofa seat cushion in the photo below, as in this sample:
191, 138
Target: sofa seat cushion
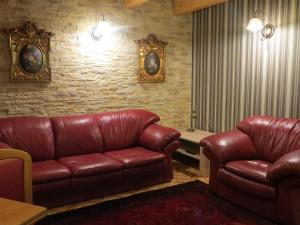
137, 156
91, 164
246, 186
255, 170
49, 170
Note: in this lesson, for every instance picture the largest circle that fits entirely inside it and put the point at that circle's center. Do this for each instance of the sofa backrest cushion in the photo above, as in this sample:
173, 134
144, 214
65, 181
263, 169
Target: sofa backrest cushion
272, 137
122, 129
31, 134
75, 135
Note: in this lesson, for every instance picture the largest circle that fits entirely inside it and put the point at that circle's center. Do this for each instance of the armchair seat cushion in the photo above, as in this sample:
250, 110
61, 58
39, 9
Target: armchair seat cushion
49, 170
255, 170
91, 164
137, 156
246, 186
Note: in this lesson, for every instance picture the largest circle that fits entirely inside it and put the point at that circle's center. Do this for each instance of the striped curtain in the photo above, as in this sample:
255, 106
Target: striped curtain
235, 73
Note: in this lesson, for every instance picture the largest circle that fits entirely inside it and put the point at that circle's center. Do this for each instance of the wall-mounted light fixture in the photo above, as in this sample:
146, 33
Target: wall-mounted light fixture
256, 25
100, 29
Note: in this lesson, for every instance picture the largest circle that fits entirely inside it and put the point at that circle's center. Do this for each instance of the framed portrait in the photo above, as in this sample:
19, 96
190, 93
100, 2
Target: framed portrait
152, 56
30, 48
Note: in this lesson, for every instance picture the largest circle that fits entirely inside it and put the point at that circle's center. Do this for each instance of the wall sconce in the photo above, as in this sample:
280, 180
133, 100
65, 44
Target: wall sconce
256, 24
100, 29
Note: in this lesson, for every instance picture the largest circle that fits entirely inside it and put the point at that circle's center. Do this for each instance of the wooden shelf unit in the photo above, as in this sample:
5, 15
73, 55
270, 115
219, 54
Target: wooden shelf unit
190, 147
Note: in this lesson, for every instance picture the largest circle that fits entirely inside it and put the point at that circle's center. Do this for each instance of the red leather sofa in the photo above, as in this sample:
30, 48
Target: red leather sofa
257, 166
77, 158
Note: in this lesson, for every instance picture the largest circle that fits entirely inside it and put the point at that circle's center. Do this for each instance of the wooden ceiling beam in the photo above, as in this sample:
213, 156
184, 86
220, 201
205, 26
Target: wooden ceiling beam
134, 3
186, 6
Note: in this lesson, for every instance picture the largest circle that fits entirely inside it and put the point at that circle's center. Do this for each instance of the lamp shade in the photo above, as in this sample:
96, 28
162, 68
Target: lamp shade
255, 24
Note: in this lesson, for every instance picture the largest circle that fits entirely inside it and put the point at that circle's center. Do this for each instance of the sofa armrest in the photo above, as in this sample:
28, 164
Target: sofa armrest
287, 165
228, 146
156, 137
4, 145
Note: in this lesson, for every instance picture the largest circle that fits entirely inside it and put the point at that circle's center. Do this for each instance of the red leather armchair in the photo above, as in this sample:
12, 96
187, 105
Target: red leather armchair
257, 166
15, 175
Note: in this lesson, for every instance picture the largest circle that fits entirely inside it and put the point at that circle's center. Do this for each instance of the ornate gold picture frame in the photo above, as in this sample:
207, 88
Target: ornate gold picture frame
30, 48
152, 58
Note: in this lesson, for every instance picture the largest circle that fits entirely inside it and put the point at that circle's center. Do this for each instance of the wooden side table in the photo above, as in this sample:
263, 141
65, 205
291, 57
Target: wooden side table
190, 147
19, 213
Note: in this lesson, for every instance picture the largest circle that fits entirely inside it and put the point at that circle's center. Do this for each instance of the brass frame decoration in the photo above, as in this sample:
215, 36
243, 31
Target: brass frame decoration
30, 48
152, 51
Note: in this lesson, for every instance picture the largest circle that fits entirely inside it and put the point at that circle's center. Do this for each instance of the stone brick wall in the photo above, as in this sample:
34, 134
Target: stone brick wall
91, 76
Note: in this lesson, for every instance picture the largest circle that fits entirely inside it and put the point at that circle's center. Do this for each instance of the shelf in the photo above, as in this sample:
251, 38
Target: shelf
184, 152
195, 136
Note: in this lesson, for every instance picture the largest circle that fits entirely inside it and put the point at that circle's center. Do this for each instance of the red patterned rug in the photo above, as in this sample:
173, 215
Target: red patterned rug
186, 204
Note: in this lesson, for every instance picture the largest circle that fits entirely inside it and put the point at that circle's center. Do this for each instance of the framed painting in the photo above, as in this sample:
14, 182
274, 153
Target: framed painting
152, 56
30, 48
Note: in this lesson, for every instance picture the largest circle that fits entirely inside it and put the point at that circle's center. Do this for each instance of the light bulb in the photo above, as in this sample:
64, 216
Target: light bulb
255, 25
99, 30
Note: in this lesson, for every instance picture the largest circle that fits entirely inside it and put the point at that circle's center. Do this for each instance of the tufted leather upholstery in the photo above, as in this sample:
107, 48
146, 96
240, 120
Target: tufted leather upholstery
261, 159
80, 157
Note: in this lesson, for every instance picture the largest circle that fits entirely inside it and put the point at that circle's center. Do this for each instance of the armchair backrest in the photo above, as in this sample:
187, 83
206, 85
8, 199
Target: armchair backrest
271, 136
122, 129
15, 175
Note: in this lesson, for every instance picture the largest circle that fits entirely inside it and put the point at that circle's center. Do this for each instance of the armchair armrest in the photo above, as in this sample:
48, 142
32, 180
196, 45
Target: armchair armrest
286, 166
156, 137
228, 146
